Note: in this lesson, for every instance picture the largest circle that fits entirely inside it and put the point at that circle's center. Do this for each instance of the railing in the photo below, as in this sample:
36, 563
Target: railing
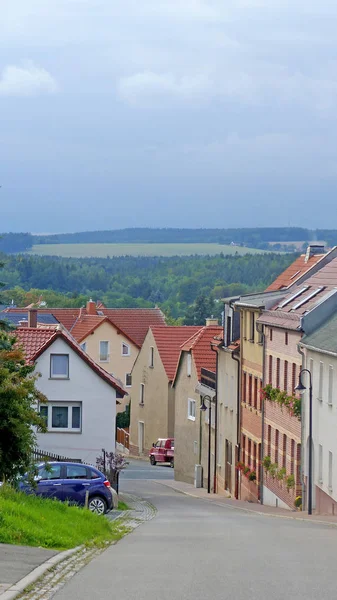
41, 455
208, 378
123, 437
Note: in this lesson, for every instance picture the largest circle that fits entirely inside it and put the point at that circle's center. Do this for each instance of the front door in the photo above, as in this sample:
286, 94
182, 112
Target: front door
50, 483
228, 466
141, 436
75, 484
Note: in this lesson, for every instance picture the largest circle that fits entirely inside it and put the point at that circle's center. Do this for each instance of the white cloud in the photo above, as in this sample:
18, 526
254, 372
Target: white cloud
151, 86
28, 80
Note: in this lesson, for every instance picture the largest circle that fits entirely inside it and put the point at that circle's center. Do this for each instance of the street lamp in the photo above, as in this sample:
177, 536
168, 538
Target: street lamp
300, 388
203, 408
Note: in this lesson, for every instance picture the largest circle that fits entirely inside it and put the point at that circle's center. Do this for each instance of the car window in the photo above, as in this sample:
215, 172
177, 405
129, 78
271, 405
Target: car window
94, 474
50, 472
162, 444
76, 472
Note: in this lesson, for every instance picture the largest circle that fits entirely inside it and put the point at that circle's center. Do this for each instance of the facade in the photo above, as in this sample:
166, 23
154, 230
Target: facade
81, 408
152, 398
320, 357
194, 380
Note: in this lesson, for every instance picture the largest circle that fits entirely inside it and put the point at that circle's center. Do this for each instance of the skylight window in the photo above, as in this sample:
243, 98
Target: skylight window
293, 297
307, 298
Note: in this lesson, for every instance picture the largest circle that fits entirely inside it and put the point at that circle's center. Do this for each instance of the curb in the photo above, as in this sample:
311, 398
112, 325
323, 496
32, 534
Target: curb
32, 577
247, 510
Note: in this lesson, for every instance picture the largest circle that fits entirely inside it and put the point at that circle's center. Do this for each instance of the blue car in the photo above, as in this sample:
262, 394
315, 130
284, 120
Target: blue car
68, 481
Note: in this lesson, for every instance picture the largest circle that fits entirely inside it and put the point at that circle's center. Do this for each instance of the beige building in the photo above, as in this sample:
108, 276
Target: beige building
152, 397
194, 380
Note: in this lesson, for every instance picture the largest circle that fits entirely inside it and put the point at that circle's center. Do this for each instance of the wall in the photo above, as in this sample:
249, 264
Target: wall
187, 432
98, 406
156, 413
324, 418
228, 382
118, 365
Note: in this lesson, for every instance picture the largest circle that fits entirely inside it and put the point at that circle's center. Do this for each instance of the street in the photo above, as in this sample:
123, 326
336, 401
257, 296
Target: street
195, 550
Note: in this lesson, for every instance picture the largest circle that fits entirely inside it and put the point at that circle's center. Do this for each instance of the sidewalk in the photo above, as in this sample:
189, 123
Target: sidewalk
259, 509
18, 561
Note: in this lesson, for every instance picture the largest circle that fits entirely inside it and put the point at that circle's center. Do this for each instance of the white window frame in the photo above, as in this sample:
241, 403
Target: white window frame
107, 359
191, 409
125, 345
69, 405
141, 394
151, 359
57, 376
189, 365
128, 385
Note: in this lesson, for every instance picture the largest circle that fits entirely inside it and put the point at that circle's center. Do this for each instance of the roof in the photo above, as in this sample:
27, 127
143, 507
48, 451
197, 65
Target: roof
297, 269
277, 318
199, 345
169, 341
16, 317
36, 340
133, 322
324, 338
85, 325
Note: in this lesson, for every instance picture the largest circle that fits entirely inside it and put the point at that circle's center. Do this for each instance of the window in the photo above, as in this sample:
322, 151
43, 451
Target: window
50, 472
243, 450
84, 346
292, 456
128, 380
269, 441
254, 456
271, 334
330, 385
64, 417
320, 464
270, 369
277, 434
330, 471
189, 365
284, 450
151, 357
293, 378
76, 472
59, 366
286, 338
191, 409
44, 413
285, 376
141, 393
252, 327
244, 387
125, 349
249, 457
320, 382
278, 364
255, 392
250, 386
104, 351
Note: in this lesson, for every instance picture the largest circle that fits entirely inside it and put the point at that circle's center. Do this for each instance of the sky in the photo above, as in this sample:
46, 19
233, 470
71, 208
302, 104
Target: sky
167, 113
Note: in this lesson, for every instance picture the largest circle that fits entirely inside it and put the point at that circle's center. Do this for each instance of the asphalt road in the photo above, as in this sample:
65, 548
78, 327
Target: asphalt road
140, 469
194, 550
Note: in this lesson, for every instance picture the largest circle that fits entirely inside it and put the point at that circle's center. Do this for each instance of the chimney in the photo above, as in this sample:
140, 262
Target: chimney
313, 250
32, 317
91, 307
23, 323
212, 322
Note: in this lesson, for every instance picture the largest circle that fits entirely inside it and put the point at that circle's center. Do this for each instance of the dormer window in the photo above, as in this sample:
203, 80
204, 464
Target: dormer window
189, 365
125, 349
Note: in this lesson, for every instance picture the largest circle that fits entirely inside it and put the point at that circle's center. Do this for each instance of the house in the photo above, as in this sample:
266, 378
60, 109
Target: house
320, 358
152, 399
112, 337
194, 380
82, 397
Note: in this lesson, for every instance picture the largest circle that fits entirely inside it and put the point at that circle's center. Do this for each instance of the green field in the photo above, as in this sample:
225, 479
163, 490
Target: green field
111, 250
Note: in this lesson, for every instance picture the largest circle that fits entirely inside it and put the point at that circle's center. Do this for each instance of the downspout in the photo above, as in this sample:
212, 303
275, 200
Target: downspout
304, 491
215, 349
238, 422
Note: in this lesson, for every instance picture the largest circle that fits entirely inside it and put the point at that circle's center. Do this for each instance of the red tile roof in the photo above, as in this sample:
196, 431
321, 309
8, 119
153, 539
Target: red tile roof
200, 347
169, 341
298, 268
133, 322
36, 340
85, 325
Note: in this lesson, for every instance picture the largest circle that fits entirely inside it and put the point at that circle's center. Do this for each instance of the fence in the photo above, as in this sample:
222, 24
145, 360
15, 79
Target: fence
41, 455
123, 437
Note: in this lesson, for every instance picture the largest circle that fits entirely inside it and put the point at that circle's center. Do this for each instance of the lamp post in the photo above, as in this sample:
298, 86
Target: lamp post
203, 408
301, 389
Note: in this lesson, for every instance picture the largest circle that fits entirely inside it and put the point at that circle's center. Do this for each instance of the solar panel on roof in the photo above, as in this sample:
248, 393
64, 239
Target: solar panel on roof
309, 297
293, 297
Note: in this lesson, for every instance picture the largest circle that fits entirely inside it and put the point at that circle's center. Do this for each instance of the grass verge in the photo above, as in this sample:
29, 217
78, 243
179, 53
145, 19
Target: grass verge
33, 521
123, 506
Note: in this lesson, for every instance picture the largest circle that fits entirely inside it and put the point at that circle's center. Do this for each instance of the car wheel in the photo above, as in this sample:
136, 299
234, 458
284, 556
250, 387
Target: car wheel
172, 464
152, 460
97, 505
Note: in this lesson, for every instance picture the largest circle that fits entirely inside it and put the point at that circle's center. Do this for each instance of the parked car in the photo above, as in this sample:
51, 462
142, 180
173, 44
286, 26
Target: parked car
68, 481
162, 451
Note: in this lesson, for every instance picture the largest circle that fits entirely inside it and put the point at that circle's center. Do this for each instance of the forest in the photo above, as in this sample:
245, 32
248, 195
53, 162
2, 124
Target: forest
181, 286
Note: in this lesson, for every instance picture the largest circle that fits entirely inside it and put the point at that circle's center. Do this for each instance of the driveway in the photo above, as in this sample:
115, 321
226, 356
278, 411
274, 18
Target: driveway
194, 550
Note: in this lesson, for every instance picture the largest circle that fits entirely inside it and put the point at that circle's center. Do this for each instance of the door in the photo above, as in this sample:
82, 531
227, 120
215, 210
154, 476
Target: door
161, 451
77, 481
228, 466
50, 482
141, 436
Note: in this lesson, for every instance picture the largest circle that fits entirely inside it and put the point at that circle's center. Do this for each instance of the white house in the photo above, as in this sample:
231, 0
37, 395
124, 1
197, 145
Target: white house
320, 358
82, 397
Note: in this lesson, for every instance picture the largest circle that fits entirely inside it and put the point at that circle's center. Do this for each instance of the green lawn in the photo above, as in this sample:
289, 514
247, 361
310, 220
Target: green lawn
33, 521
104, 250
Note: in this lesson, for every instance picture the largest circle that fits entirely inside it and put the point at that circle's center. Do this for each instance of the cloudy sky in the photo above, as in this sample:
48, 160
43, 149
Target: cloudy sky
170, 113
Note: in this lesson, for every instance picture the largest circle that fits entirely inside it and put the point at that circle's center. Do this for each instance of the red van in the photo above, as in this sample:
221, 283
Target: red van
162, 451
